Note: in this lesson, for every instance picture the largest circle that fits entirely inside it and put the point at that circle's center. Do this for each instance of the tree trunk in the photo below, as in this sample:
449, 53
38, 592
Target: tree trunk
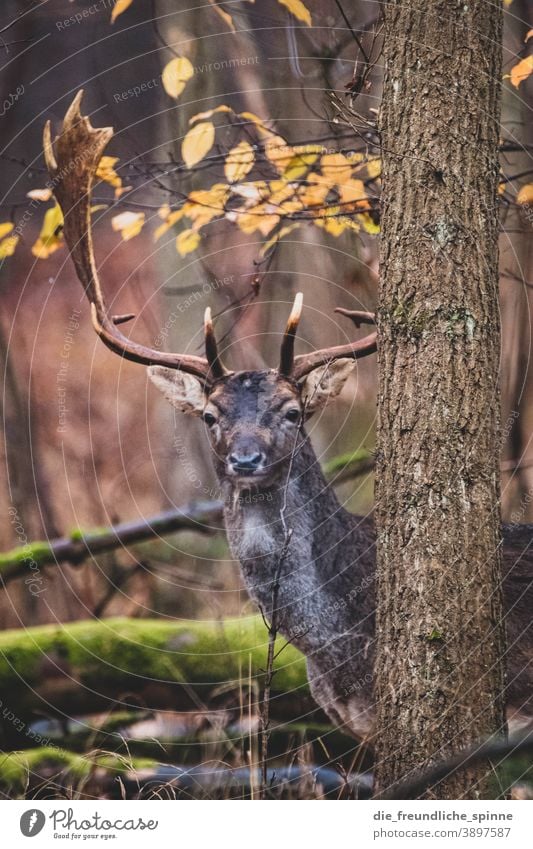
440, 635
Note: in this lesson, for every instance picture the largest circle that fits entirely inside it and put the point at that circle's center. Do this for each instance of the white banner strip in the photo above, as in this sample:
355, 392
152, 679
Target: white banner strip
236, 824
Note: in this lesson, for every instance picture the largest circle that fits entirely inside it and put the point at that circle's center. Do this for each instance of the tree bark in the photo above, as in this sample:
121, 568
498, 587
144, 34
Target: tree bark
439, 628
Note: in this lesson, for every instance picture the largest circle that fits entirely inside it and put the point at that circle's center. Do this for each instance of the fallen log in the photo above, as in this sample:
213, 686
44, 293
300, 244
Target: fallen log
84, 667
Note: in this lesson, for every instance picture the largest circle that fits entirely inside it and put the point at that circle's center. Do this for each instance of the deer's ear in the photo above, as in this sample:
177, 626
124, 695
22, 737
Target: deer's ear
184, 391
325, 382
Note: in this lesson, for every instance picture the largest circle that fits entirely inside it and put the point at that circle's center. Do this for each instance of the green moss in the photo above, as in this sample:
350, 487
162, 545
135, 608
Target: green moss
16, 768
337, 464
460, 323
116, 651
435, 635
81, 535
32, 553
408, 318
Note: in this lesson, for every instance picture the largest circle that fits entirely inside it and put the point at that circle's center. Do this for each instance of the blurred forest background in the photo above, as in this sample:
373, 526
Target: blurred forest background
88, 442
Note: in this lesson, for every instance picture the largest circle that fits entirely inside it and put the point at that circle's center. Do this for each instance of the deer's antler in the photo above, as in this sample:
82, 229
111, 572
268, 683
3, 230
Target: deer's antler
72, 160
298, 367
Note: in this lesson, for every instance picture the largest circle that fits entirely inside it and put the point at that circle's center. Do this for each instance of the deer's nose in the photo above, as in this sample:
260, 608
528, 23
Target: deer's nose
246, 461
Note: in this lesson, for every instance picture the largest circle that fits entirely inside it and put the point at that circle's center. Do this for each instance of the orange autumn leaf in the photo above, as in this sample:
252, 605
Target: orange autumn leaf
525, 195
522, 71
120, 7
336, 167
298, 9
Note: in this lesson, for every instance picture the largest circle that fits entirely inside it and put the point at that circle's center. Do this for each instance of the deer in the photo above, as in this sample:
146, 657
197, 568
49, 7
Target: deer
305, 560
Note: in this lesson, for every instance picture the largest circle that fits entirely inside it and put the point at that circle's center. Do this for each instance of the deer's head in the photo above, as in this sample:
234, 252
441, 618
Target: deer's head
252, 417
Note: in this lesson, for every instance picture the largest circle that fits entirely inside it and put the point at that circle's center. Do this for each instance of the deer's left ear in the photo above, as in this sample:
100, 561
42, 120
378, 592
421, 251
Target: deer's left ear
325, 382
184, 391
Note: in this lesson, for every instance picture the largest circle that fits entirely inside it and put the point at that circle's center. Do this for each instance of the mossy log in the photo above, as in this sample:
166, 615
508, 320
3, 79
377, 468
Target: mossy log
202, 516
51, 768
89, 666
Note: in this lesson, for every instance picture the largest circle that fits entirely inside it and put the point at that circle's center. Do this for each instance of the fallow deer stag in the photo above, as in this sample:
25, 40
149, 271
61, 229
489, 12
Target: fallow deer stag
299, 540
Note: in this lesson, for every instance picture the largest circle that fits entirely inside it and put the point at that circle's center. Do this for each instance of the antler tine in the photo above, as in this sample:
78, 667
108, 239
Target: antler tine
72, 161
362, 348
287, 345
211, 348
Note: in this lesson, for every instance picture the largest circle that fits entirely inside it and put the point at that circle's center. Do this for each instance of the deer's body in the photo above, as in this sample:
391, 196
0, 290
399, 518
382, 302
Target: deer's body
325, 600
326, 596
306, 561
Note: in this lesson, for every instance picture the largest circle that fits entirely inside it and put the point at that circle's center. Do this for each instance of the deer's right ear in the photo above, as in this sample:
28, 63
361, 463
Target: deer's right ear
184, 391
325, 382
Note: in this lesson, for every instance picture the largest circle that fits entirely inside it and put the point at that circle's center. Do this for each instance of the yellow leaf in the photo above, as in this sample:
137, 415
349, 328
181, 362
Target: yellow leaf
336, 167
7, 246
205, 204
40, 194
522, 71
299, 164
333, 223
201, 116
369, 224
253, 192
5, 228
106, 172
284, 231
251, 118
373, 168
353, 192
224, 15
315, 193
129, 224
352, 225
297, 8
187, 242
282, 195
278, 152
507, 3
176, 75
529, 35
197, 143
525, 195
239, 162
260, 218
171, 219
355, 157
119, 7
50, 238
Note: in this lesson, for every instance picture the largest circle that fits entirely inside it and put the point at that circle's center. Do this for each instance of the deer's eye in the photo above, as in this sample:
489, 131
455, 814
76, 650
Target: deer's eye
292, 415
209, 419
